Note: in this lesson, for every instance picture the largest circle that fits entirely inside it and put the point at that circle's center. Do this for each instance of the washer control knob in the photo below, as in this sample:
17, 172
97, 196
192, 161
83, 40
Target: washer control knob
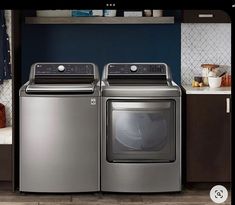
61, 68
133, 68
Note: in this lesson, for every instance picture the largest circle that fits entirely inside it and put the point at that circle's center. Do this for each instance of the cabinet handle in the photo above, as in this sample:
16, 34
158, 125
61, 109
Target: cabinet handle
227, 105
205, 15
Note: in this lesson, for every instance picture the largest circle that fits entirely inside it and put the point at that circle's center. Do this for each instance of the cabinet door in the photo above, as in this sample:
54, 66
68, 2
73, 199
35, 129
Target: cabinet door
208, 138
205, 16
5, 162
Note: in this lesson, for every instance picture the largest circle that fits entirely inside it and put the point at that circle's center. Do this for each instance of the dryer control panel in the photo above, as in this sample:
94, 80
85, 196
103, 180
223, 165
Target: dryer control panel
137, 73
137, 69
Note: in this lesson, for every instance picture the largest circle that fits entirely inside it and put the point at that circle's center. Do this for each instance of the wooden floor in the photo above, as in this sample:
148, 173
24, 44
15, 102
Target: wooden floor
190, 195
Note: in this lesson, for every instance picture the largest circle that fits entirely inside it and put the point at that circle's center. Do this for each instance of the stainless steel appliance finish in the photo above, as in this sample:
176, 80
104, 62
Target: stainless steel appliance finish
59, 129
141, 129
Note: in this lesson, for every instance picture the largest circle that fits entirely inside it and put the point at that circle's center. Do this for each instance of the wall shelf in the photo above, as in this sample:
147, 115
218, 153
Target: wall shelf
100, 20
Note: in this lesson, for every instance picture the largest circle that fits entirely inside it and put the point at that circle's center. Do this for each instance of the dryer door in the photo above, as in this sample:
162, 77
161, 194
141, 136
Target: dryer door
141, 131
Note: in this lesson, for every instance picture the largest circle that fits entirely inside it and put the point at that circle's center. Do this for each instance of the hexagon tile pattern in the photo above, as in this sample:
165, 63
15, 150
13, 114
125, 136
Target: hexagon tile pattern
204, 43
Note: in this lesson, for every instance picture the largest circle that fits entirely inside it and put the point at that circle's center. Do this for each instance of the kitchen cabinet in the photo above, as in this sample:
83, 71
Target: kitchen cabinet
205, 16
5, 162
207, 137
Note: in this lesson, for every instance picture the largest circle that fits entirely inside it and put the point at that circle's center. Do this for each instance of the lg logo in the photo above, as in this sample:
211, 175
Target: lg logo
93, 101
219, 194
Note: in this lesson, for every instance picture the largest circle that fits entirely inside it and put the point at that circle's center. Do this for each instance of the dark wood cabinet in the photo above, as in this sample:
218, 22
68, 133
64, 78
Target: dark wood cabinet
208, 138
5, 162
205, 16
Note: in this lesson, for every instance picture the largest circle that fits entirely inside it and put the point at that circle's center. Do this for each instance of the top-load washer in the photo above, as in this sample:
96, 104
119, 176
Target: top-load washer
141, 129
60, 129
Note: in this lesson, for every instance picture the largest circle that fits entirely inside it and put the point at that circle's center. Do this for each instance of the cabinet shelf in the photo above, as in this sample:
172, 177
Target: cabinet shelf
100, 20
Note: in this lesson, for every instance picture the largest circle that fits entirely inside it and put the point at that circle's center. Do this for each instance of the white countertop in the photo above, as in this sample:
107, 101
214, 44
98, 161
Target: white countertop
6, 135
206, 90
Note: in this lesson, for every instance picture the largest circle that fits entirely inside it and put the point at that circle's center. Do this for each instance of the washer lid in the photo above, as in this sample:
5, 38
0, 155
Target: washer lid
63, 78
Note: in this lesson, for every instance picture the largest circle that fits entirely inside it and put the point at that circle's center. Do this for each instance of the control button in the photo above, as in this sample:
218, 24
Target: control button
61, 68
133, 68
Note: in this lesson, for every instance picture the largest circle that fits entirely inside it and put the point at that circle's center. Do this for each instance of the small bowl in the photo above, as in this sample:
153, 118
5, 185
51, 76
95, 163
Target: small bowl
214, 82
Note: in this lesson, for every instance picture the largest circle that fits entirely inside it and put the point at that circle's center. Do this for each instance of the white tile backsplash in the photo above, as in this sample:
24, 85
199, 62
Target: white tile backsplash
204, 43
6, 87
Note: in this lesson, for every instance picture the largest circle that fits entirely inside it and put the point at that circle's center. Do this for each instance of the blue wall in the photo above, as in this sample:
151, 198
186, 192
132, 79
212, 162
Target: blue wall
101, 44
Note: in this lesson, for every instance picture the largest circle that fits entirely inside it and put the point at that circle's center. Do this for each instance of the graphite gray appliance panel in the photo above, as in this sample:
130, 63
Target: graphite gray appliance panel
59, 138
134, 177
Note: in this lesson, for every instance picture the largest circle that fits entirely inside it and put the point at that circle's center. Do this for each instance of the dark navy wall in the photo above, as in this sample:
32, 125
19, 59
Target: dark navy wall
101, 44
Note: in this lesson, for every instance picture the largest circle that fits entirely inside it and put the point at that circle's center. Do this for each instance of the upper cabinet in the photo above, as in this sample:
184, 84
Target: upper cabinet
205, 16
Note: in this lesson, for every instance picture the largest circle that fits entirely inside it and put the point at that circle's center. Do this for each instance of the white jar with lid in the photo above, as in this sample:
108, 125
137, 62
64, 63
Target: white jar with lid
207, 69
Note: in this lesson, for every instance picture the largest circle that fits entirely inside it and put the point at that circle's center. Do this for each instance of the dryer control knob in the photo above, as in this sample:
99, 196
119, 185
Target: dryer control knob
133, 68
61, 68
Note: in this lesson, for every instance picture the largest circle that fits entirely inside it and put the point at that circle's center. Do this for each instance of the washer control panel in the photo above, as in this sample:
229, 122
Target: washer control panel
137, 69
63, 69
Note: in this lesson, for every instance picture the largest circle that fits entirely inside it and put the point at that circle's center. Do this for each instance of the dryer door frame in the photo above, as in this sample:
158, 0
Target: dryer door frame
124, 145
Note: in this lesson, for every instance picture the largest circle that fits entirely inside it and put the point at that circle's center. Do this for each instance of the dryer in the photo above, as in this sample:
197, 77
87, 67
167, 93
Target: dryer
141, 129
